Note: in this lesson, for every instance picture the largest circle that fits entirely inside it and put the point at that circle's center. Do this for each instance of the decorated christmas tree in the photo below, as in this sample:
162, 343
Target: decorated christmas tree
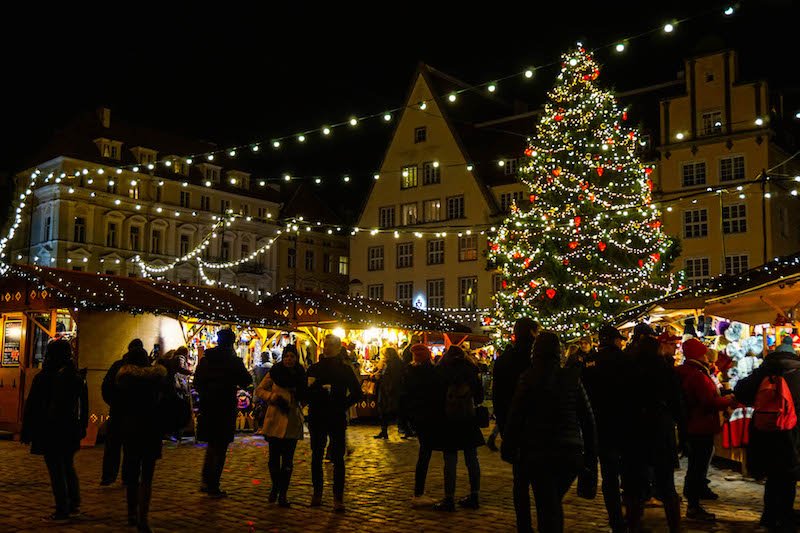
588, 243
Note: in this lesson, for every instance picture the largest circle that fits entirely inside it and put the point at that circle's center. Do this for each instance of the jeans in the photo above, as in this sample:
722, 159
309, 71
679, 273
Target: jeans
779, 493
610, 470
421, 473
63, 481
701, 449
112, 452
551, 481
320, 432
522, 497
473, 470
281, 463
139, 471
213, 464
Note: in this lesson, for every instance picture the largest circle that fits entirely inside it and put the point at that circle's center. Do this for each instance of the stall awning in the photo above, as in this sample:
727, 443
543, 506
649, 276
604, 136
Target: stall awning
32, 287
759, 305
304, 308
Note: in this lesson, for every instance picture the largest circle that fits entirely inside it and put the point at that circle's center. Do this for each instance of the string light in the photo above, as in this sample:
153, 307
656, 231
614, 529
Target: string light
668, 28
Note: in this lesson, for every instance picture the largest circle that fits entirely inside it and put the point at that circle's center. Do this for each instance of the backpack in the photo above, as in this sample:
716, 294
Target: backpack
458, 405
774, 407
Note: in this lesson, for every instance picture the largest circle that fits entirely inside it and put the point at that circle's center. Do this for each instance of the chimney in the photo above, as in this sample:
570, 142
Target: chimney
104, 114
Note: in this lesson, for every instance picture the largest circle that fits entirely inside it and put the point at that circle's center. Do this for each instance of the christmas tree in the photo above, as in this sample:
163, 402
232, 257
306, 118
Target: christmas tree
589, 243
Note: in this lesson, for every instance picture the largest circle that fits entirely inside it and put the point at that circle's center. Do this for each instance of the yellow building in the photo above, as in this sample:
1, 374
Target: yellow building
722, 133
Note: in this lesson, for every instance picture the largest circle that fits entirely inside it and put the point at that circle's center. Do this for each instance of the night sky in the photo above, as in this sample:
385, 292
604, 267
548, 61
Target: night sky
237, 76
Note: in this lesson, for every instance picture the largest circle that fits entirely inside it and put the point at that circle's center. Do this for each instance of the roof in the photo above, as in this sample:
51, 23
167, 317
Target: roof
303, 202
305, 308
85, 290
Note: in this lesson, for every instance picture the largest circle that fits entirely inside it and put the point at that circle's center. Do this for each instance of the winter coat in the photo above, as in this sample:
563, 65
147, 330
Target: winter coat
219, 375
284, 415
391, 380
141, 390
551, 419
459, 434
508, 368
56, 412
109, 386
422, 400
332, 388
603, 377
774, 451
702, 399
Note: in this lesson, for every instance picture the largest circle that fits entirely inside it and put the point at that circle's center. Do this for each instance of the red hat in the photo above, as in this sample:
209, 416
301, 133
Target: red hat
420, 353
694, 349
666, 338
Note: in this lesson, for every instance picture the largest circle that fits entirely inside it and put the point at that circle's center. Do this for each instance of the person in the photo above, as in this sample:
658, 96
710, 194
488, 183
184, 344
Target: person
408, 355
422, 402
703, 404
603, 378
175, 363
649, 418
141, 389
775, 455
462, 390
641, 331
112, 452
550, 433
283, 389
389, 382
55, 419
219, 375
573, 356
332, 388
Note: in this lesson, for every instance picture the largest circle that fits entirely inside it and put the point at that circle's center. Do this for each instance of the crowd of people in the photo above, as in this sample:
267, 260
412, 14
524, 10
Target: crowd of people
559, 412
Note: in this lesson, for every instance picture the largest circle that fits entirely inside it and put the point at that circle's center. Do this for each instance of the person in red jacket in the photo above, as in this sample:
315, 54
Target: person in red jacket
703, 405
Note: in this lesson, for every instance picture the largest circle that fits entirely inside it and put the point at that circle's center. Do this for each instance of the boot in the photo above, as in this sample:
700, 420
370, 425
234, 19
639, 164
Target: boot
470, 501
145, 491
382, 435
447, 505
286, 476
672, 509
273, 494
132, 495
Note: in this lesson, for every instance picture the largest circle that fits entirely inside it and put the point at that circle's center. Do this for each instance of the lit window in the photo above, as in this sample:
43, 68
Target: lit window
408, 177
468, 248
432, 210
408, 214
468, 292
343, 265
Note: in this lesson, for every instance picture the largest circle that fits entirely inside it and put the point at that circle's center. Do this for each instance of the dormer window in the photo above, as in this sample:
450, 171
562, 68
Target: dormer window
108, 148
238, 179
211, 173
145, 156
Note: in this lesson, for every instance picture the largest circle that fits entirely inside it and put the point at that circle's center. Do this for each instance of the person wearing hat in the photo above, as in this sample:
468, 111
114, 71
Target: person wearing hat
703, 405
786, 345
668, 346
640, 331
605, 382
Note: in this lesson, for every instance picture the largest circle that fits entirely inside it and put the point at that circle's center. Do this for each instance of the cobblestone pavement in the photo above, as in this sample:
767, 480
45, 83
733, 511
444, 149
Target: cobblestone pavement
379, 484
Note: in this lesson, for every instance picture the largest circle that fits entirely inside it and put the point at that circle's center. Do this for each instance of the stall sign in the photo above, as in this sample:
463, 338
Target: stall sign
12, 337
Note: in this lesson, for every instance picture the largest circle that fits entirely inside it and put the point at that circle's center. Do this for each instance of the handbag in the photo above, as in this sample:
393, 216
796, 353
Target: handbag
482, 416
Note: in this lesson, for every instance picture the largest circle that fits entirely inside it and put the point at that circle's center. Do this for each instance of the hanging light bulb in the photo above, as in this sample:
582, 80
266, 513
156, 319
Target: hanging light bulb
326, 130
668, 28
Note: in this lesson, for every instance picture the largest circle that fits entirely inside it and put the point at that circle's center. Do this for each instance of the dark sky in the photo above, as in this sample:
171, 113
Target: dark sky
229, 75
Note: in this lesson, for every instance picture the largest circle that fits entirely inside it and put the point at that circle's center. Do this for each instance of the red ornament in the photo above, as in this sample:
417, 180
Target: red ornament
655, 257
558, 118
619, 167
495, 247
529, 151
585, 325
650, 184
631, 134
648, 170
594, 295
627, 298
591, 196
577, 221
573, 245
517, 255
599, 171
527, 262
556, 171
532, 198
641, 263
586, 77
624, 115
551, 293
533, 284
584, 185
655, 224
521, 293
504, 284
602, 246
580, 197
565, 262
595, 73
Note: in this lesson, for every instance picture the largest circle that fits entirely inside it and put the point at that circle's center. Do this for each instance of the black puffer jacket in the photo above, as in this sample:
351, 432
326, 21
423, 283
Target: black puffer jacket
508, 368
219, 375
604, 377
422, 400
777, 451
140, 392
459, 434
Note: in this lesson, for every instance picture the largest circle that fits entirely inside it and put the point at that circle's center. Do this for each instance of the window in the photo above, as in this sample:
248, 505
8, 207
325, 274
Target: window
79, 234
114, 153
310, 260
375, 258
291, 258
694, 173
262, 213
405, 255
709, 76
111, 235
205, 203
327, 263
158, 193
408, 177
696, 270
695, 223
436, 252
386, 217
404, 290
343, 265
420, 134
736, 264
432, 210
155, 241
133, 191
468, 248
46, 229
408, 214
224, 206
185, 199
135, 242
731, 168
212, 174
111, 187
712, 122
509, 198
431, 173
734, 218
225, 250
497, 283
245, 251
435, 294
244, 210
184, 245
468, 292
77, 269
375, 292
510, 167
455, 207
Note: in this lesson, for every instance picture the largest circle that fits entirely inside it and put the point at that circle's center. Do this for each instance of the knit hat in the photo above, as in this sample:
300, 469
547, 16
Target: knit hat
136, 343
420, 353
608, 333
785, 345
694, 349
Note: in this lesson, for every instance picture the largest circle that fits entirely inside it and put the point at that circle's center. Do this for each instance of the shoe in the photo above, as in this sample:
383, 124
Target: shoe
709, 494
217, 494
56, 517
422, 501
338, 506
652, 502
700, 514
469, 502
381, 435
316, 500
273, 496
446, 505
283, 502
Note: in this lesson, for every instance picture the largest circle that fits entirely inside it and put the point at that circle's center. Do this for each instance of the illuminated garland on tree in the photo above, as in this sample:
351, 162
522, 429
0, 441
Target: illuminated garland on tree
590, 244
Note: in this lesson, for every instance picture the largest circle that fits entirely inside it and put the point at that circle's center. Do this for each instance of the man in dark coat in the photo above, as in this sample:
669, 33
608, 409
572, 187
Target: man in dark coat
112, 452
603, 378
219, 375
332, 388
775, 455
508, 368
